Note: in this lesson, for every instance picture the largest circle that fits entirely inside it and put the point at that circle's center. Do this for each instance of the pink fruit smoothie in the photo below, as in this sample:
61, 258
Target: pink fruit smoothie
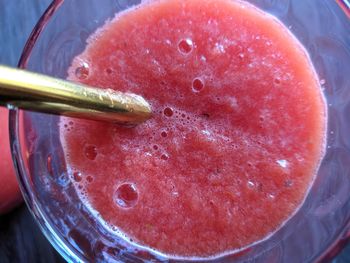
237, 132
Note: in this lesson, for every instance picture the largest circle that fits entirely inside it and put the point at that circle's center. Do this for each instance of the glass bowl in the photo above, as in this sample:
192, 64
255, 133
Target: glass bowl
316, 232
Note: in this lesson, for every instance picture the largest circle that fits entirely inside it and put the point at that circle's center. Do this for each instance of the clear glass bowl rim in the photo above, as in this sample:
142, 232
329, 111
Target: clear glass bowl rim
338, 244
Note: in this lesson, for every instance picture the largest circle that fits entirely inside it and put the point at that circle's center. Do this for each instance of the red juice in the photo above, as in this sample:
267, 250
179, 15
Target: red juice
236, 136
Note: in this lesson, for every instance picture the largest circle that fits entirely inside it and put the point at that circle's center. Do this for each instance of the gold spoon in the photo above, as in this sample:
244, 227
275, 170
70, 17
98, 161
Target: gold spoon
35, 92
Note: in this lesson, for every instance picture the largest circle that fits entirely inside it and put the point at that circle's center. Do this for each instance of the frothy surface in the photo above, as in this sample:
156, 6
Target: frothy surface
236, 136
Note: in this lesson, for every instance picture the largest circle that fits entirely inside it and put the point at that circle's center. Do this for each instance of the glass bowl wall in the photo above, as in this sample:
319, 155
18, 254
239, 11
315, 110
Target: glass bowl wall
316, 232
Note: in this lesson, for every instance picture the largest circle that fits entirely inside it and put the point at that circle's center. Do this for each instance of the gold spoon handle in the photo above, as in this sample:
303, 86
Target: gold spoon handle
36, 92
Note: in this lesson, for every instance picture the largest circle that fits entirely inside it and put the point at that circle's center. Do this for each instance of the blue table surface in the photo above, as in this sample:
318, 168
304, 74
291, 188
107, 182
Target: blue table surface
20, 237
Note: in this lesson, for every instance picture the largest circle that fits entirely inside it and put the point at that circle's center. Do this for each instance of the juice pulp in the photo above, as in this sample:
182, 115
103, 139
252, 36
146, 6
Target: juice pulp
237, 132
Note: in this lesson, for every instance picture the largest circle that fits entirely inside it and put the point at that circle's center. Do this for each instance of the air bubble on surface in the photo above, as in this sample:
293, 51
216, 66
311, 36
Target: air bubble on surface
168, 112
299, 158
89, 179
164, 157
206, 133
271, 196
197, 85
282, 163
288, 183
185, 46
82, 72
277, 81
126, 195
322, 81
219, 48
235, 146
233, 102
77, 177
203, 58
148, 154
109, 71
250, 184
90, 152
